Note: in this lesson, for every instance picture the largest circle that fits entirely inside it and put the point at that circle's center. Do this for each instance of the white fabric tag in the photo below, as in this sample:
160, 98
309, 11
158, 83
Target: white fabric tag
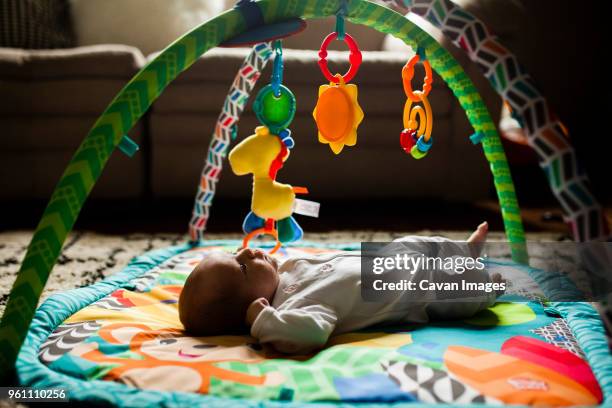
306, 207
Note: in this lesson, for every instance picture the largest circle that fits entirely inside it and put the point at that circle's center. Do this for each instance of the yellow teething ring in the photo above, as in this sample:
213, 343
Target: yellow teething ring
262, 231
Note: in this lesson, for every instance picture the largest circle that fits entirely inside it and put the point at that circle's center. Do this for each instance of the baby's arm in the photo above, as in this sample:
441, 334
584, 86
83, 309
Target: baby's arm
292, 331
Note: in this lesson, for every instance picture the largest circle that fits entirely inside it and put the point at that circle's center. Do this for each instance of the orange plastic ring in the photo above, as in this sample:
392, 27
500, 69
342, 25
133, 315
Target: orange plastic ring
419, 118
408, 74
262, 231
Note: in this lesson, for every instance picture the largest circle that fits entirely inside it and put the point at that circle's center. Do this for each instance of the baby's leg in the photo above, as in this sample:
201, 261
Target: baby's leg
477, 240
480, 235
464, 300
444, 247
461, 303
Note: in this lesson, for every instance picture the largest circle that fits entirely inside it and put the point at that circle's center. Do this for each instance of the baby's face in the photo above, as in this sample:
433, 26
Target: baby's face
248, 273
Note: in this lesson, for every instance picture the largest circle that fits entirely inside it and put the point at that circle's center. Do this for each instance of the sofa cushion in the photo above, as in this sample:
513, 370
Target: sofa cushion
36, 24
64, 82
99, 61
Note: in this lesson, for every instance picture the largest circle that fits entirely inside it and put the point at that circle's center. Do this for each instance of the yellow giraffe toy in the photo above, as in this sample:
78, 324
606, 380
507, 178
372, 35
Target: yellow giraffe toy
262, 155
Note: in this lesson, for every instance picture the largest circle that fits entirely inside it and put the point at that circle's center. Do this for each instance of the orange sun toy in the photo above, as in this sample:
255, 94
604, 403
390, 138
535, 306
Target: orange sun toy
337, 112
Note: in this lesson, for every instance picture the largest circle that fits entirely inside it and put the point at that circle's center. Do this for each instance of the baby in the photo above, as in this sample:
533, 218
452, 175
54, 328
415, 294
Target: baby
298, 305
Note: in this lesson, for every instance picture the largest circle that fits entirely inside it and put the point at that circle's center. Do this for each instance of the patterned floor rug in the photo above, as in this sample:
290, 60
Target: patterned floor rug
89, 257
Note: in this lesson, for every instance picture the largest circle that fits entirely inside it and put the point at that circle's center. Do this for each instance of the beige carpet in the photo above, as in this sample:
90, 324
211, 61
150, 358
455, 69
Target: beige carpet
89, 257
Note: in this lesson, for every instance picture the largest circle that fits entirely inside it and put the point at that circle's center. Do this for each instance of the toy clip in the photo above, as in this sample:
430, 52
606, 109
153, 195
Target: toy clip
128, 146
340, 14
277, 69
477, 137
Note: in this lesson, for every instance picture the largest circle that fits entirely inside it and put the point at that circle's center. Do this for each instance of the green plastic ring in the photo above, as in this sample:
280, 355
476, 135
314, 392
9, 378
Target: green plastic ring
416, 153
276, 113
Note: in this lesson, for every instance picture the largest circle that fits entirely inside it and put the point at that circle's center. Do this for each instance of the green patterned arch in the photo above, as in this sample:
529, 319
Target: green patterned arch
137, 96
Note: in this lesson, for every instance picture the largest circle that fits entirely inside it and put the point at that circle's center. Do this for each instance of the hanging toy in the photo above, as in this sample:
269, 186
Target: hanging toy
416, 138
263, 154
337, 112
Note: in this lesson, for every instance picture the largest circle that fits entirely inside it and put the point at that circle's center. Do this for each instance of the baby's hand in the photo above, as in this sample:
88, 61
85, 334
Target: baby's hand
255, 309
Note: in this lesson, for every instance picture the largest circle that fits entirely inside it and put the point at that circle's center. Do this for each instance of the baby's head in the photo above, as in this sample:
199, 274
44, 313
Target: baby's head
218, 292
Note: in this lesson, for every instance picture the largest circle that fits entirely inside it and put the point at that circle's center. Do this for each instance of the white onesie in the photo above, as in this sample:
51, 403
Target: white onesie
320, 295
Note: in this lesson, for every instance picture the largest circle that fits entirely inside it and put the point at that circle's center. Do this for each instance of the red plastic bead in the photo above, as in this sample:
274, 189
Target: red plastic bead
408, 139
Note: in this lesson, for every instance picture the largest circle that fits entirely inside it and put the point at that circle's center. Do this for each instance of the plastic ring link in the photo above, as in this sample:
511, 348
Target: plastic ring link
408, 74
355, 58
262, 231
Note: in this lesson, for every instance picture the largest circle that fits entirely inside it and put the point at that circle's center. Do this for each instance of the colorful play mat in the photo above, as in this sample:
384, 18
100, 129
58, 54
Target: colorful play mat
120, 341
